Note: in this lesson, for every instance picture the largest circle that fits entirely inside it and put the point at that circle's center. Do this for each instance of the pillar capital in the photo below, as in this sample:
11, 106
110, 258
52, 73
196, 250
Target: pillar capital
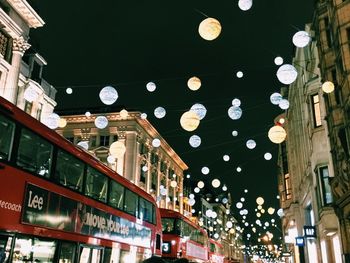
20, 45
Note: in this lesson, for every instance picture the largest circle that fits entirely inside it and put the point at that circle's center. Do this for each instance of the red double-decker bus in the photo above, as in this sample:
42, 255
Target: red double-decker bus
216, 252
59, 204
182, 238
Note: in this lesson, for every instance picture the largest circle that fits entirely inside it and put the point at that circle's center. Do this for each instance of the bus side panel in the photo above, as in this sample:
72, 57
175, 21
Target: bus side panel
11, 197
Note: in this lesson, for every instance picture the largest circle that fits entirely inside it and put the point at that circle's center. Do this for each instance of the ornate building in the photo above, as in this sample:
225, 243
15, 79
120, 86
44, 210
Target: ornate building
21, 79
332, 26
156, 169
310, 226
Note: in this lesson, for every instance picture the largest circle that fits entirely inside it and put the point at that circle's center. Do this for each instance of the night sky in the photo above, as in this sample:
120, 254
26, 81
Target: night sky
126, 44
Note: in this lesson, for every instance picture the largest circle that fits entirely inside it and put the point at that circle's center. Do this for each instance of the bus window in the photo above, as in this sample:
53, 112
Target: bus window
107, 253
131, 205
96, 185
43, 251
5, 248
69, 170
116, 195
7, 129
145, 210
67, 252
29, 249
168, 225
34, 153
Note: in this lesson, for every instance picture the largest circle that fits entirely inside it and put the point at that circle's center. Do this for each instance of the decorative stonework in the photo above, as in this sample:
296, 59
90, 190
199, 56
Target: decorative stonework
20, 45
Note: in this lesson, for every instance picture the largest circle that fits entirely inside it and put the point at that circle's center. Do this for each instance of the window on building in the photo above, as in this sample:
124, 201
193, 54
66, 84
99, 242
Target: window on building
5, 46
329, 35
287, 186
93, 141
28, 107
325, 188
316, 110
143, 173
343, 140
154, 181
39, 110
348, 35
309, 216
104, 140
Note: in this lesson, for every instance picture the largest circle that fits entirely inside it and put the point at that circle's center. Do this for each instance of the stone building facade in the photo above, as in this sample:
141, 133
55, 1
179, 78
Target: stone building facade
332, 26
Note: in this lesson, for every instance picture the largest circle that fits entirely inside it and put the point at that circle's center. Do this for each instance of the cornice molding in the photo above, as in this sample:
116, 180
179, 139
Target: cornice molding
24, 9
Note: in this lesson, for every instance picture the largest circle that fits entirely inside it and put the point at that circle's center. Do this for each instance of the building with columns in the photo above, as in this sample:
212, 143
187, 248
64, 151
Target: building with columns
156, 169
332, 26
21, 79
306, 168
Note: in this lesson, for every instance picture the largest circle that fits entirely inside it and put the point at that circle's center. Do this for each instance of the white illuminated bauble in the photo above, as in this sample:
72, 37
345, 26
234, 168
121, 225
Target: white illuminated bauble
242, 199
251, 144
30, 94
189, 121
226, 158
258, 215
278, 61
224, 200
229, 224
208, 212
52, 120
239, 205
280, 212
151, 86
110, 159
163, 191
260, 201
328, 87
239, 169
205, 170
236, 102
282, 120
284, 104
191, 196
277, 134
188, 176
245, 5
301, 39
246, 190
167, 199
173, 184
224, 188
145, 169
62, 123
194, 83
156, 142
159, 112
200, 184
69, 90
214, 214
234, 112
191, 202
83, 144
209, 28
275, 98
267, 156
196, 190
239, 75
143, 116
271, 210
124, 113
88, 114
215, 183
108, 95
259, 207
287, 74
234, 133
195, 141
200, 110
101, 122
117, 149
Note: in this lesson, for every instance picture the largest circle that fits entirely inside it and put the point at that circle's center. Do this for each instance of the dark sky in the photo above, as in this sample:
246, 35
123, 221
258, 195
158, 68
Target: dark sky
91, 44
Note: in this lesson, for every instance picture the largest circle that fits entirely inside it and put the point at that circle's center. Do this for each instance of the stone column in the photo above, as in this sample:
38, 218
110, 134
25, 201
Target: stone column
19, 46
130, 156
